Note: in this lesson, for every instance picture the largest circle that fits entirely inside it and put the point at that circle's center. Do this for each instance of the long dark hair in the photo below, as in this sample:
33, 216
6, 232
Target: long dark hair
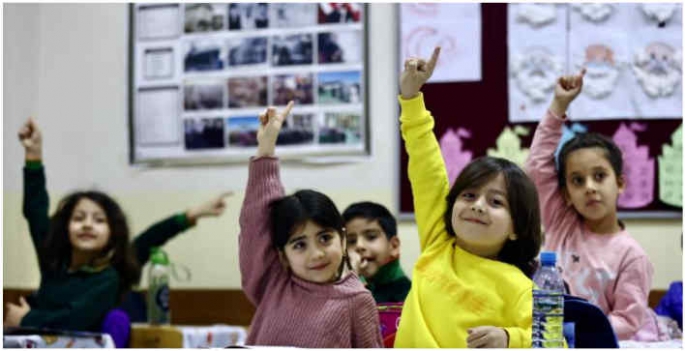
291, 212
524, 208
57, 247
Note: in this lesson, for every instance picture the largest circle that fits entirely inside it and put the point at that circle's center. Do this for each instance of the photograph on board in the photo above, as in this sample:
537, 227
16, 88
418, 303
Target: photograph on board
297, 49
204, 96
204, 133
339, 87
296, 87
247, 92
204, 17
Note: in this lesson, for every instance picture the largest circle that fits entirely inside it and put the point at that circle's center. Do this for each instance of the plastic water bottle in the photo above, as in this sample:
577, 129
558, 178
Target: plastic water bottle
158, 288
548, 304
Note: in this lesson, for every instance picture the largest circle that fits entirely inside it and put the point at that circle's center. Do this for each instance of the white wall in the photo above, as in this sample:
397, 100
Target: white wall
72, 74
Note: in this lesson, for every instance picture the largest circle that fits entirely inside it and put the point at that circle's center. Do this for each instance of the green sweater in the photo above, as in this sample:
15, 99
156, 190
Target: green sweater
389, 284
78, 300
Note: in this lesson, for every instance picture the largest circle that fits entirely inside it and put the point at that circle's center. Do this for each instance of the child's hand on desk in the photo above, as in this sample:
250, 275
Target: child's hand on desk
15, 313
487, 337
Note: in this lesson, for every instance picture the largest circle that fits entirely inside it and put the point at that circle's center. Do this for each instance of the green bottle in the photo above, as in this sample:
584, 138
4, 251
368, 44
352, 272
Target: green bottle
158, 288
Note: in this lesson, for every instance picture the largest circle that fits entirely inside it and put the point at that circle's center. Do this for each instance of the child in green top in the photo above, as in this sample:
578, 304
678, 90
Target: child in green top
86, 260
372, 239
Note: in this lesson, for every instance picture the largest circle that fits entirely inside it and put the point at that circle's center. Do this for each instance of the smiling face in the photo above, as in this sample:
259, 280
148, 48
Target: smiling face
481, 218
89, 230
591, 183
314, 253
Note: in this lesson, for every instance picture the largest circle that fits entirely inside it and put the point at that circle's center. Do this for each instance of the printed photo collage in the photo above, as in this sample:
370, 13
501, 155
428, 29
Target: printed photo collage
238, 58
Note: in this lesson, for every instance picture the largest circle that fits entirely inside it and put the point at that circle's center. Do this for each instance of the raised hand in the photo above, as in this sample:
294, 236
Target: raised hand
270, 123
566, 90
213, 208
487, 337
416, 73
32, 140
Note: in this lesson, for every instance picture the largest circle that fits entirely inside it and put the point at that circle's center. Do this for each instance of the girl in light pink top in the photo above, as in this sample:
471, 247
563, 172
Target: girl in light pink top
600, 261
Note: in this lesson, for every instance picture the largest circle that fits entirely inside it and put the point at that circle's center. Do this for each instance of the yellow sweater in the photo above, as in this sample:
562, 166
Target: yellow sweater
452, 290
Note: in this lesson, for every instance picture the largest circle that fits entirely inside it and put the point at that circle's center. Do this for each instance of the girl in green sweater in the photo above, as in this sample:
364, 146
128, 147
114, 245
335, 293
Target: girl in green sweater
85, 258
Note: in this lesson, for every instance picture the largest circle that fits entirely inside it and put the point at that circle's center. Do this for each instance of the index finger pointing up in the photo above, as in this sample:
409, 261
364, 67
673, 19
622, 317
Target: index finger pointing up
434, 59
286, 112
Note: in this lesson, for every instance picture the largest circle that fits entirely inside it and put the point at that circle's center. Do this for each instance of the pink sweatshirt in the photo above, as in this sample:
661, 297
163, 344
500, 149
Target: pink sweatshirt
292, 311
610, 270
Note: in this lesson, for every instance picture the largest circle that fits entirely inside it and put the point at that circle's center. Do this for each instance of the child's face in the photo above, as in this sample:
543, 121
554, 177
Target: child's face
88, 228
314, 253
481, 218
367, 238
591, 183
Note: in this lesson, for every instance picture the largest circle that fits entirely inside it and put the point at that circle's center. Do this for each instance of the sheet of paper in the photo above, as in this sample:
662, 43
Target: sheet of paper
537, 57
160, 21
157, 118
671, 170
456, 28
509, 145
638, 169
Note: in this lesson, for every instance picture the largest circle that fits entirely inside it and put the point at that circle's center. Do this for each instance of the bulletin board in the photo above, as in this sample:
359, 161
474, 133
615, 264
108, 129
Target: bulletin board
200, 74
483, 107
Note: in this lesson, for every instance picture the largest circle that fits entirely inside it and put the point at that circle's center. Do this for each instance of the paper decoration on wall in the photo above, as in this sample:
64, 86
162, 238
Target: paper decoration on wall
509, 145
602, 71
566, 135
455, 157
595, 12
659, 13
657, 68
671, 170
638, 167
537, 15
536, 72
456, 28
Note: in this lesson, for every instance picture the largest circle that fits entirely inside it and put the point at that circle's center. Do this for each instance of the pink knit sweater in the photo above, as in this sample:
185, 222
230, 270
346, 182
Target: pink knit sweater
292, 311
610, 270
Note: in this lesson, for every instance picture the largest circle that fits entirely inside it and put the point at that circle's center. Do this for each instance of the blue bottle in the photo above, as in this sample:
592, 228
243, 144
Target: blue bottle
548, 304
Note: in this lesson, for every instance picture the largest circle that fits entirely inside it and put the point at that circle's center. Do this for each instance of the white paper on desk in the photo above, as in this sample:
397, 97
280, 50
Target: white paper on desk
530, 103
158, 21
156, 119
456, 28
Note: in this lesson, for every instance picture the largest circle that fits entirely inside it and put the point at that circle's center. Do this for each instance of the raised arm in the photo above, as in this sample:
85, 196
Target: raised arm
36, 200
558, 217
161, 232
259, 262
426, 168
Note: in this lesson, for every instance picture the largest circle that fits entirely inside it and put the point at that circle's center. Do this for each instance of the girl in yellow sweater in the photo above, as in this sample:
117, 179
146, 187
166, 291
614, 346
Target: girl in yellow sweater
471, 285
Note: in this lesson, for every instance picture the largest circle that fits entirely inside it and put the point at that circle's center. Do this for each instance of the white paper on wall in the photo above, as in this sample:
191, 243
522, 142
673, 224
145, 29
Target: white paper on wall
537, 56
632, 52
456, 28
156, 120
603, 49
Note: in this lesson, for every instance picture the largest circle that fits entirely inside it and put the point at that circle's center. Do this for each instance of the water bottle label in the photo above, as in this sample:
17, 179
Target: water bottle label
162, 298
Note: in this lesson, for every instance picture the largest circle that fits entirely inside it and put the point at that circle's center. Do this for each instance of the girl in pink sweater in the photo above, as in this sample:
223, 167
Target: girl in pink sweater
292, 261
601, 262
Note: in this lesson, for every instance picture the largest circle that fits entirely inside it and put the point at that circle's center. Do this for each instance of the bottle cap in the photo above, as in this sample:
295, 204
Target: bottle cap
548, 258
157, 256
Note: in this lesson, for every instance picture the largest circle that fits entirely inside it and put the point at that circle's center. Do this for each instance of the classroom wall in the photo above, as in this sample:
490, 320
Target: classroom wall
72, 75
